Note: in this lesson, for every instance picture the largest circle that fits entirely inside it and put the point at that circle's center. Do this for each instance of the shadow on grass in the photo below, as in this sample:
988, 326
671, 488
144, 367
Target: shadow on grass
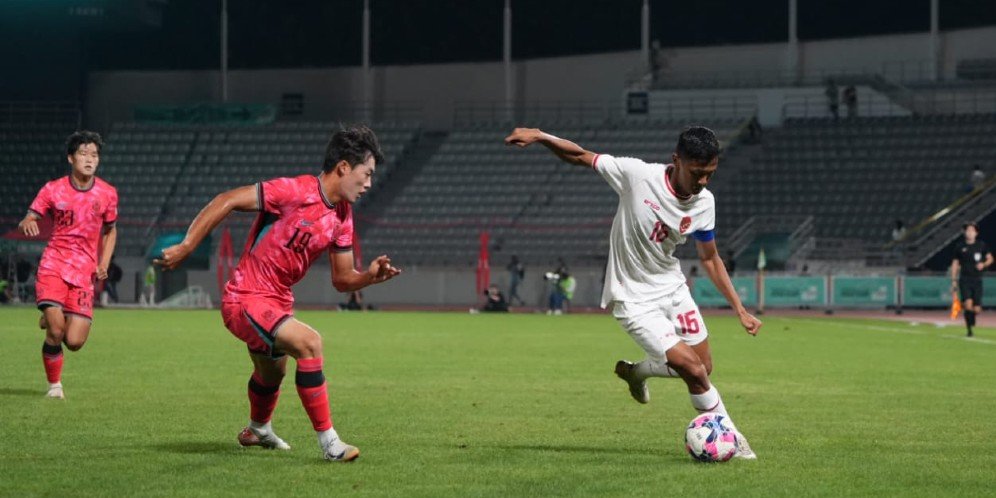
9, 391
198, 447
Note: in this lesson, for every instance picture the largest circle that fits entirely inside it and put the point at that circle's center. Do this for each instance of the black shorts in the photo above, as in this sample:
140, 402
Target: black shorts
970, 288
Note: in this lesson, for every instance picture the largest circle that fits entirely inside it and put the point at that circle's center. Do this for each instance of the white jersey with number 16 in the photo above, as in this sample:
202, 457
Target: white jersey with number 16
650, 222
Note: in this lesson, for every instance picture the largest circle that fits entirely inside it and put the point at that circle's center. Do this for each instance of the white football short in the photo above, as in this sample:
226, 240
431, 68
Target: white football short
658, 325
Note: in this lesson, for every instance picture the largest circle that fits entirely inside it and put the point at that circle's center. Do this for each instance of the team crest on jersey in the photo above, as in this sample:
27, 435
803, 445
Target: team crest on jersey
686, 223
96, 208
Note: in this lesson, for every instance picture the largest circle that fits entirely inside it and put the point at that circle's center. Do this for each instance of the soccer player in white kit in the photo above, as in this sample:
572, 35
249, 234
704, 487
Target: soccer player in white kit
659, 206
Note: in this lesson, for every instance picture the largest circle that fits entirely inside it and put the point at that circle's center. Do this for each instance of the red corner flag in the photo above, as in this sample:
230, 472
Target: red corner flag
483, 267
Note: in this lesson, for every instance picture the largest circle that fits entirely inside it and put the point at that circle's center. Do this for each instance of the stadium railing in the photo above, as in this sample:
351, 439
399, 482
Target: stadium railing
663, 109
58, 112
903, 71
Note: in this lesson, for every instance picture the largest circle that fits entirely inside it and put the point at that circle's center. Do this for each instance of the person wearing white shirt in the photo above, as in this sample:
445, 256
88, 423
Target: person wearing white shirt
660, 205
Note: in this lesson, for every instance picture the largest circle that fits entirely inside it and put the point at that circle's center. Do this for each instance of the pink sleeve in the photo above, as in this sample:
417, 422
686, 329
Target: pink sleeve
111, 213
42, 202
344, 235
276, 194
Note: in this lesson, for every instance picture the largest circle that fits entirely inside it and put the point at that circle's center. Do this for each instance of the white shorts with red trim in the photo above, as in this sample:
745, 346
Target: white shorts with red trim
658, 326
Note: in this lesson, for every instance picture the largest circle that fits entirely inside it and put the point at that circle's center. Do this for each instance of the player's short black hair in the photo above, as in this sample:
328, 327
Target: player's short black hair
81, 137
697, 144
352, 143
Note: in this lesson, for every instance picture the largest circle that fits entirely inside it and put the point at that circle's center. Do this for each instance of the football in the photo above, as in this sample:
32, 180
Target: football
710, 438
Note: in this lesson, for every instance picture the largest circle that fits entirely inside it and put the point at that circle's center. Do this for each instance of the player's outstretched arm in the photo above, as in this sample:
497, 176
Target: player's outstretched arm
107, 244
566, 150
29, 225
345, 278
714, 267
240, 199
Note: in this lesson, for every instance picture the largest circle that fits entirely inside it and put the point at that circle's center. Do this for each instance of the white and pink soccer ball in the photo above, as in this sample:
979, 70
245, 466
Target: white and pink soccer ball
711, 438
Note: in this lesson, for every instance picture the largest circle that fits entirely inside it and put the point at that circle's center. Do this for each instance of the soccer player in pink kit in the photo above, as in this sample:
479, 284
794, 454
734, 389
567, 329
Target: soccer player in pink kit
659, 206
84, 209
299, 219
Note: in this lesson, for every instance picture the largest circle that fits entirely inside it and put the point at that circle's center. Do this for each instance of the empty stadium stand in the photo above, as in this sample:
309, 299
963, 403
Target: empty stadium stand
533, 205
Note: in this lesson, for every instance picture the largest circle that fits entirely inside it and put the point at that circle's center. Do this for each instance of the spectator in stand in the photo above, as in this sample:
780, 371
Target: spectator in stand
833, 98
851, 101
978, 177
516, 272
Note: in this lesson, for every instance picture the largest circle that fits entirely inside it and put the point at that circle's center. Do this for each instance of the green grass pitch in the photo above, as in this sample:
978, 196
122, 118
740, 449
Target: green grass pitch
517, 405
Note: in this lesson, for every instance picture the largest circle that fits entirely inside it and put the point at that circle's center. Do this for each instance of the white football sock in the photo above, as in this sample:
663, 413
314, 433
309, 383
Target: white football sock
710, 401
260, 429
328, 437
652, 368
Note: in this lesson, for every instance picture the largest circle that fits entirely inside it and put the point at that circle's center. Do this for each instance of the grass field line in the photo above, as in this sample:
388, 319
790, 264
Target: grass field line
890, 329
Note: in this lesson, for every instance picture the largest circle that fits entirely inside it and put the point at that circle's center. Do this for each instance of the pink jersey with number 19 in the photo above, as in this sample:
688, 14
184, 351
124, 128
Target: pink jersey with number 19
296, 224
80, 218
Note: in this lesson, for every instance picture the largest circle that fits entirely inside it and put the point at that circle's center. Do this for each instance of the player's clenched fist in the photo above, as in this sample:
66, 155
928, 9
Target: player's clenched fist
381, 269
750, 323
172, 257
523, 136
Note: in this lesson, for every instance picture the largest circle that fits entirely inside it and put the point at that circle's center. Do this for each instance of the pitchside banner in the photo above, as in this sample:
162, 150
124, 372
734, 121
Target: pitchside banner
927, 291
860, 292
707, 295
795, 291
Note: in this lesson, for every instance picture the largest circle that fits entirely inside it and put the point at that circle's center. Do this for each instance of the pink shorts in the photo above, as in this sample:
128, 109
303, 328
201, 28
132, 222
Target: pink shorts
52, 290
255, 322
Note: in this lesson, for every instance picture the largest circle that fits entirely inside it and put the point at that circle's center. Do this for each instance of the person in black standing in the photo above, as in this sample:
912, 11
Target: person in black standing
971, 258
114, 274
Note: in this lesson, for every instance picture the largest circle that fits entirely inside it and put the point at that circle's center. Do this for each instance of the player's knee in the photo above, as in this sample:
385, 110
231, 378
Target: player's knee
708, 366
309, 346
692, 370
74, 344
57, 333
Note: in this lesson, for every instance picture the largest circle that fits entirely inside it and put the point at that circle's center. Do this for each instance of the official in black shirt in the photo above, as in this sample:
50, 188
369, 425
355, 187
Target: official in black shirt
971, 258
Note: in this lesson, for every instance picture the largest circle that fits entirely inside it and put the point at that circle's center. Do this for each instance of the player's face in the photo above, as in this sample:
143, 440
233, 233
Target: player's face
358, 179
691, 177
970, 234
85, 160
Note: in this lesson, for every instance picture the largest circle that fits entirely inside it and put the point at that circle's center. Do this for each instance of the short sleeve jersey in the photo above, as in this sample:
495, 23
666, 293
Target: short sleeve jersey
296, 225
650, 222
79, 219
968, 255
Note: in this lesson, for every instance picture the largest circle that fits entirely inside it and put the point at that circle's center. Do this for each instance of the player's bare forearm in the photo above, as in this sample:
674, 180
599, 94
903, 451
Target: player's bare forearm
714, 267
351, 281
346, 279
107, 245
716, 270
240, 199
955, 267
566, 150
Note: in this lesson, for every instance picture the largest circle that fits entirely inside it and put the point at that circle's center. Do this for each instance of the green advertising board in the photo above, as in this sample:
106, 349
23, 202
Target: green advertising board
861, 292
706, 294
794, 291
927, 291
